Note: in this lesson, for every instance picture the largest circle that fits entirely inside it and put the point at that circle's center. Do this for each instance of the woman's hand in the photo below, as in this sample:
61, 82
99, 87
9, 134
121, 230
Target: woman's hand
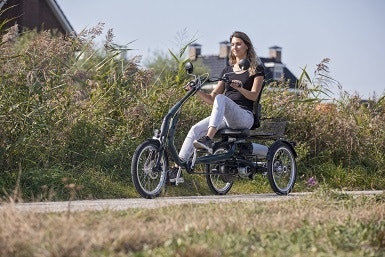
236, 84
189, 86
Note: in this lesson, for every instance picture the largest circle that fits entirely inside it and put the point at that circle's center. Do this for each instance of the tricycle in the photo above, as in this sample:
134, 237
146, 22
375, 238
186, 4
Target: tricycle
236, 153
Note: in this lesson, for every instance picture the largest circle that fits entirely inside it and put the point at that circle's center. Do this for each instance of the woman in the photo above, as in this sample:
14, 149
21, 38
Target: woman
232, 102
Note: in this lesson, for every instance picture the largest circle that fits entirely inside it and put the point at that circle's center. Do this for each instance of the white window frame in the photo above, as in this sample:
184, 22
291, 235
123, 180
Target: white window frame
278, 72
278, 69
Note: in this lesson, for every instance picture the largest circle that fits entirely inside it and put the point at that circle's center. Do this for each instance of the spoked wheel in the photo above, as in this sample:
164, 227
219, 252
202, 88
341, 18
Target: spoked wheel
221, 183
148, 176
281, 168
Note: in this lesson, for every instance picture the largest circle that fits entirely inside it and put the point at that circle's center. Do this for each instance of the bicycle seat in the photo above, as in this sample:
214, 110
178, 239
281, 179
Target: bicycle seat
237, 133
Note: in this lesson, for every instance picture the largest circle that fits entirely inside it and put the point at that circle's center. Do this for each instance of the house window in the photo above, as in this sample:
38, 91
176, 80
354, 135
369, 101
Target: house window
278, 72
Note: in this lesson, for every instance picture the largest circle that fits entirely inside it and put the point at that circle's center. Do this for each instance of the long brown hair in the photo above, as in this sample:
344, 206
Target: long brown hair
251, 54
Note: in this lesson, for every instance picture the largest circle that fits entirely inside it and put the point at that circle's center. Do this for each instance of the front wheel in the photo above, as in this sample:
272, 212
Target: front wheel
148, 171
281, 168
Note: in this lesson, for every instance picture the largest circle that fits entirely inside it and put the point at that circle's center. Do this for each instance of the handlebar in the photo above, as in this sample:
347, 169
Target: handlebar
199, 80
225, 79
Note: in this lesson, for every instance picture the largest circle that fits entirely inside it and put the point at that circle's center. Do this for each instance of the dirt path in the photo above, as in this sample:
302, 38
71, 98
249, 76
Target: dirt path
123, 204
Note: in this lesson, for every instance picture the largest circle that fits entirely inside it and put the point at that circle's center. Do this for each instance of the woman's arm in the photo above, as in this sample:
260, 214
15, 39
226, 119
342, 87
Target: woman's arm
209, 98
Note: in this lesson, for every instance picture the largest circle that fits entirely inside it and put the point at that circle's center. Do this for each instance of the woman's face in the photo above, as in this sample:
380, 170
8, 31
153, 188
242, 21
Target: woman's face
238, 48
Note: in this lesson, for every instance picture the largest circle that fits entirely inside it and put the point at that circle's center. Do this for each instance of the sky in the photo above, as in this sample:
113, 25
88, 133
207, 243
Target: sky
349, 32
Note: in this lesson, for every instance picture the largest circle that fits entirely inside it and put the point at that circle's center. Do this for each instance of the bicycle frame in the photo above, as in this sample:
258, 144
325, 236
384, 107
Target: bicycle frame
167, 132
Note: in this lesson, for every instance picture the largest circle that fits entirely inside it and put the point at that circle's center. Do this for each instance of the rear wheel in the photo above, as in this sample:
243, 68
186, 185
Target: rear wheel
149, 176
281, 168
221, 182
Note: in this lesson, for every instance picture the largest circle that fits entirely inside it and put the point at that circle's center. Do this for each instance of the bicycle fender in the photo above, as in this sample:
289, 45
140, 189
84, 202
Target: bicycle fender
157, 142
272, 147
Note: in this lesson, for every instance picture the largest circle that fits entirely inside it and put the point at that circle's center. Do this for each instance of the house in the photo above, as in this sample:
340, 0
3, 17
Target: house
274, 68
34, 14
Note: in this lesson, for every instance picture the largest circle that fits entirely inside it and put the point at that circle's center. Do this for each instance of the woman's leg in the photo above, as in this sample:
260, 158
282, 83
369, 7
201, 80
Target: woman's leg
197, 131
186, 151
226, 109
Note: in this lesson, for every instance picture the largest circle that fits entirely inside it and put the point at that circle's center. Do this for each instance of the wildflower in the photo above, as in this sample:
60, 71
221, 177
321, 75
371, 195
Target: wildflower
311, 182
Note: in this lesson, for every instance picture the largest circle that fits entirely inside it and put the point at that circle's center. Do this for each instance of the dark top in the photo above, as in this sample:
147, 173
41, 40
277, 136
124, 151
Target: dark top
247, 83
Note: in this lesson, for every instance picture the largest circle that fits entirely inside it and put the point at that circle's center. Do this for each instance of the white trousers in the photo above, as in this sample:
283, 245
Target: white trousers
225, 114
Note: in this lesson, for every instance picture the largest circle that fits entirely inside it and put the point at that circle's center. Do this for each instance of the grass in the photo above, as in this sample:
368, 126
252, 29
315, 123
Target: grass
327, 223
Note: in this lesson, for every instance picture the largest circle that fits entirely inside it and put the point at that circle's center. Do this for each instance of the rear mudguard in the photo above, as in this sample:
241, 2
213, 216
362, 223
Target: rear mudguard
272, 147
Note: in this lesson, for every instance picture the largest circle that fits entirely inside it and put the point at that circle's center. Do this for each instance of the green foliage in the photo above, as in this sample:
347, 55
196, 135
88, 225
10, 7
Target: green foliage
47, 94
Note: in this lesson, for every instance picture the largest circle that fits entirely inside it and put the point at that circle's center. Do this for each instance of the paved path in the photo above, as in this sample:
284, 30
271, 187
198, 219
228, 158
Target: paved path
123, 204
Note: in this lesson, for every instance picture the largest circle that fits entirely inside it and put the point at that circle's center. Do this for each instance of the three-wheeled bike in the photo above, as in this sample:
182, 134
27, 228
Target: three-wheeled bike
236, 153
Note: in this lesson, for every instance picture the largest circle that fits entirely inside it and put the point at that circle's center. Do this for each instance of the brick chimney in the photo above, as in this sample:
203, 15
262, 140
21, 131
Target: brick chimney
194, 51
224, 49
275, 53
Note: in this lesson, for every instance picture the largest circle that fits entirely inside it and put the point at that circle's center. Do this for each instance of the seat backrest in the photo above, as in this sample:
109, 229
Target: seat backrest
257, 110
